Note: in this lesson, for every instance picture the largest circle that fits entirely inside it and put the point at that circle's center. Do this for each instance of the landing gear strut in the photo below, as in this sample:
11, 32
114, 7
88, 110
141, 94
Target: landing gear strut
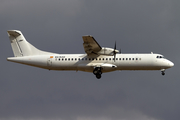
97, 71
163, 72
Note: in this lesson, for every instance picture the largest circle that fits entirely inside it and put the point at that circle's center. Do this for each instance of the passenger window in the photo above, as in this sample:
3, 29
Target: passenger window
109, 58
123, 58
68, 58
103, 59
133, 59
75, 59
106, 58
136, 58
119, 58
126, 58
129, 58
72, 59
116, 58
89, 58
59, 59
99, 58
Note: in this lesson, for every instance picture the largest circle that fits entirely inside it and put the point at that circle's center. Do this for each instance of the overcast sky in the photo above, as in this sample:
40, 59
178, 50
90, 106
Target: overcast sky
137, 26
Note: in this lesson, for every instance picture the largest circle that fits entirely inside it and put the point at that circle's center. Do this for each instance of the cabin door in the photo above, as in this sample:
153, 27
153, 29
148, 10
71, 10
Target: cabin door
49, 62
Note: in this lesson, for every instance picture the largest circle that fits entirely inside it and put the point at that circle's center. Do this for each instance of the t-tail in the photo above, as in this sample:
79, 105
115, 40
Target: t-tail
21, 47
25, 53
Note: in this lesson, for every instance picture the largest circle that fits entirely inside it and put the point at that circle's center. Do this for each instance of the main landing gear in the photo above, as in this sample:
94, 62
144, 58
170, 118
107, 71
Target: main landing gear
97, 71
163, 71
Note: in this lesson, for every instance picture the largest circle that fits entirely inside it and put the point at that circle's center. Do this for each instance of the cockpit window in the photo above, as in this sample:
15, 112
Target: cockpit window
160, 57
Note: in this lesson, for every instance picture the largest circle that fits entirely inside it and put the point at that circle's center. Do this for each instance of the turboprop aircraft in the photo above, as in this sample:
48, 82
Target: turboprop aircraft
97, 59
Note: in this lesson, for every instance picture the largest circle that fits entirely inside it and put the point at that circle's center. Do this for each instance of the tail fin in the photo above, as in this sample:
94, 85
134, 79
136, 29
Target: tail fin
20, 46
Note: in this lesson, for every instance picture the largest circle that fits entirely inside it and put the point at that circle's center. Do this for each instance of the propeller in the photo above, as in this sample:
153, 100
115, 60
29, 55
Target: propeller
115, 51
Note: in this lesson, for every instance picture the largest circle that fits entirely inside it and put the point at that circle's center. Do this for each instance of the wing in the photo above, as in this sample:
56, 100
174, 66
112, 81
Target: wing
90, 45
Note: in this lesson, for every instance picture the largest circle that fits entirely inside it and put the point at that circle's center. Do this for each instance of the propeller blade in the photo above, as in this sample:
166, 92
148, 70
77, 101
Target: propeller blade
115, 46
114, 52
114, 57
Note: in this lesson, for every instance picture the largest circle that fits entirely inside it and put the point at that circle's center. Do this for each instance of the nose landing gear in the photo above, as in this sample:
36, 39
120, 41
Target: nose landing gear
97, 71
163, 71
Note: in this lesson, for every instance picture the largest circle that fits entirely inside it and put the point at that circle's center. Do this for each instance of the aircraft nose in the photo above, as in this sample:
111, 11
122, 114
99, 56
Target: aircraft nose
171, 64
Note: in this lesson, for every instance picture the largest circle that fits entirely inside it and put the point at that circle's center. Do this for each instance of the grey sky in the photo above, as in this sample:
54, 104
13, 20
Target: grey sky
57, 26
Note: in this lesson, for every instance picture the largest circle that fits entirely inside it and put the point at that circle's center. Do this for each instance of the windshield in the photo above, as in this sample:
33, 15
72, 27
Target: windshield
160, 56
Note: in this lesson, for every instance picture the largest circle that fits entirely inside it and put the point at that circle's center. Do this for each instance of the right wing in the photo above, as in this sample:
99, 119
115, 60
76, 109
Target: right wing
90, 45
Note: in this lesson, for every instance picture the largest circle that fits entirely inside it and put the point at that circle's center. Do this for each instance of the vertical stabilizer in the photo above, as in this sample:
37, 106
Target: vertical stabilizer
20, 46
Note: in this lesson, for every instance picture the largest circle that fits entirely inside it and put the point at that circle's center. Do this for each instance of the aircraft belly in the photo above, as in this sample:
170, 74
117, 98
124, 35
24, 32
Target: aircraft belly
64, 66
89, 67
138, 66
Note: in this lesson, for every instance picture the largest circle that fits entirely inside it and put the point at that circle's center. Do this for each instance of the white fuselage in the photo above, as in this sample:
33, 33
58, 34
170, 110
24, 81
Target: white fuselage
82, 62
97, 59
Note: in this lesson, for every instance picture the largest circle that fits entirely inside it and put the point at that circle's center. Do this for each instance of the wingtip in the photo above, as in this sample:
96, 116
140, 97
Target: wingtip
87, 36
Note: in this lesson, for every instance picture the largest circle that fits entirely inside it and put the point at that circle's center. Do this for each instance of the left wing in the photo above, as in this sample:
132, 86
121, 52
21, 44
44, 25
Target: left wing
90, 45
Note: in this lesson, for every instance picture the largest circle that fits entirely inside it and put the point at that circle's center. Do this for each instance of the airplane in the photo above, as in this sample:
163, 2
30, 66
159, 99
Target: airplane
97, 59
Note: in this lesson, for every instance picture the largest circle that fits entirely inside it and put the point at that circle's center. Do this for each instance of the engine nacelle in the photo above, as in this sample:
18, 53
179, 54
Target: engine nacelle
107, 51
